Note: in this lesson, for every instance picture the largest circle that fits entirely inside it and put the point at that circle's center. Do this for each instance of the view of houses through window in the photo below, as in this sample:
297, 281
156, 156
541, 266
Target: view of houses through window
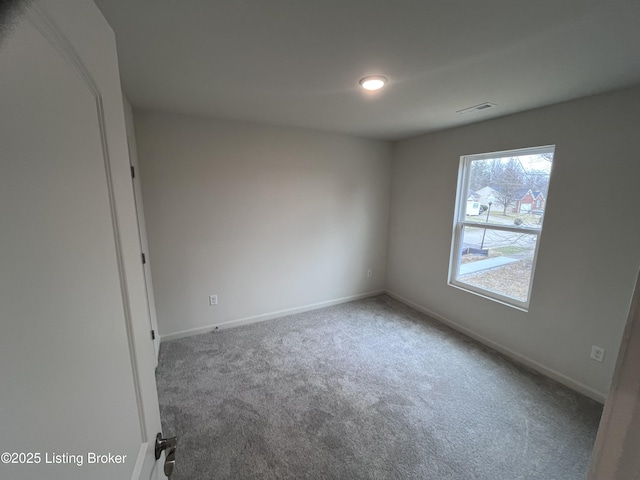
502, 199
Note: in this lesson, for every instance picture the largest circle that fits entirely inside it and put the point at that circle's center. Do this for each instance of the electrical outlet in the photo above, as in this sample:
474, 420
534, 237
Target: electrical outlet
597, 353
213, 300
369, 273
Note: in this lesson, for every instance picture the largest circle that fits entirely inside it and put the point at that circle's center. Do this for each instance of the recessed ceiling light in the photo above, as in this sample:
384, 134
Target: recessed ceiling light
373, 83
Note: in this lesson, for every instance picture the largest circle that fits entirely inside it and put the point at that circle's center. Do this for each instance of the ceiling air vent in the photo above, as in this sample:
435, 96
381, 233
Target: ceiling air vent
476, 108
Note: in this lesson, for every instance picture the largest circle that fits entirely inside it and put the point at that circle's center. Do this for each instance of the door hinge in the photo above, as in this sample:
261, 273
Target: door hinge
144, 259
153, 335
133, 172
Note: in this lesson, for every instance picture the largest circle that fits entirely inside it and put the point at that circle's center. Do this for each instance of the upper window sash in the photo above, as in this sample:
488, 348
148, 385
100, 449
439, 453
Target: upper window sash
507, 153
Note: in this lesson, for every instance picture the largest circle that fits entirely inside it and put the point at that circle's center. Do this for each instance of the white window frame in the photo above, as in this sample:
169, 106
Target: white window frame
459, 222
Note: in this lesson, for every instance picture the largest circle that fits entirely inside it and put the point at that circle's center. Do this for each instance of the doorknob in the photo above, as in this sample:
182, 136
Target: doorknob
170, 462
168, 444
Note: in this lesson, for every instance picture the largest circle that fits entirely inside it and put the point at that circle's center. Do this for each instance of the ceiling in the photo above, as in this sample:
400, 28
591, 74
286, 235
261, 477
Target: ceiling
298, 62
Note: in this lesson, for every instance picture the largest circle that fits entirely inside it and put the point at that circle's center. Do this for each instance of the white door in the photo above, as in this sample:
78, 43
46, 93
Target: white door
77, 389
142, 229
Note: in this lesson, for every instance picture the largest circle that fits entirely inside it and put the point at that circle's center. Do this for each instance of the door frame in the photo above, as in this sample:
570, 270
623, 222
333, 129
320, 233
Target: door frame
141, 224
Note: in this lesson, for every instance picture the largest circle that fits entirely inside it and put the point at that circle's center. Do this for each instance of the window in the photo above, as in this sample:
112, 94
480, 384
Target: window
494, 246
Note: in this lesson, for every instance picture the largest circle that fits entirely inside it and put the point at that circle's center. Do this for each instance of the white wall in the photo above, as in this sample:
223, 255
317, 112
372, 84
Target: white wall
615, 454
267, 218
589, 251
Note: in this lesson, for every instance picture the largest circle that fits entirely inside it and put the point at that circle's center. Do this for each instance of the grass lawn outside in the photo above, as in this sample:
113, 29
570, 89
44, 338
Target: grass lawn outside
511, 280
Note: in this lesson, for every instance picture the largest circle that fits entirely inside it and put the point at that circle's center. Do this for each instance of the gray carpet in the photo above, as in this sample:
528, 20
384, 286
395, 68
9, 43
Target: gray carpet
369, 389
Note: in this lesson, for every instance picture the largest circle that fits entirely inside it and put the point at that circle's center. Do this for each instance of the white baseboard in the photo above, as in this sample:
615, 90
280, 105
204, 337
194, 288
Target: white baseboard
549, 372
265, 316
